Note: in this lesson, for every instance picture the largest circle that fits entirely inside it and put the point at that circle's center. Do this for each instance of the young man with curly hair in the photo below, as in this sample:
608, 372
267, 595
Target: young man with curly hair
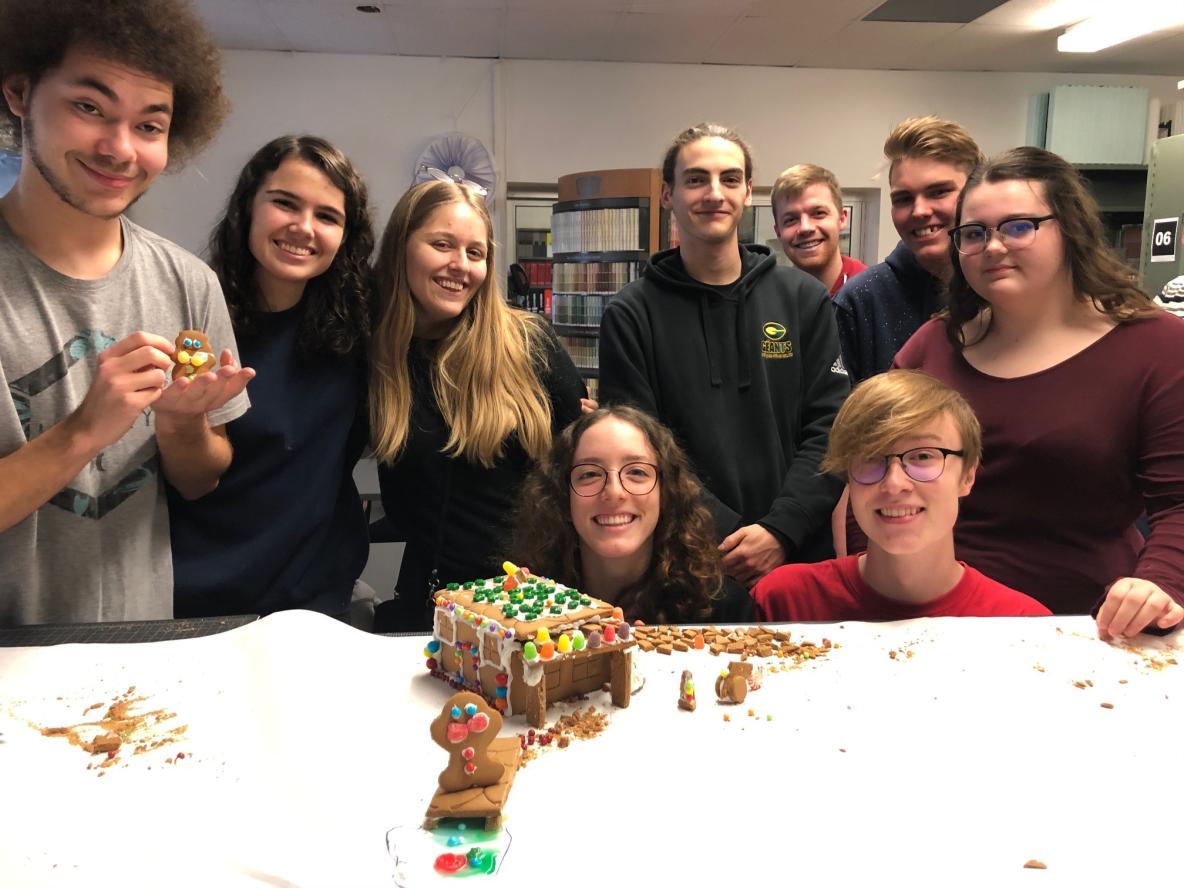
100, 97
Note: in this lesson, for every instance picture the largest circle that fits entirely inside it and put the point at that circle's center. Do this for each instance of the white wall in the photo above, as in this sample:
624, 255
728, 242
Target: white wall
380, 110
545, 119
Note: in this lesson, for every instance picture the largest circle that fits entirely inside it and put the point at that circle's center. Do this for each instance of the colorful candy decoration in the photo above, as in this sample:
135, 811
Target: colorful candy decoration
578, 641
623, 632
542, 636
686, 691
547, 651
618, 614
529, 651
610, 634
594, 640
564, 646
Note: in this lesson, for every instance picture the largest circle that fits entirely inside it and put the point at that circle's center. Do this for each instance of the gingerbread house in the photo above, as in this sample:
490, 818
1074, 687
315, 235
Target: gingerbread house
523, 642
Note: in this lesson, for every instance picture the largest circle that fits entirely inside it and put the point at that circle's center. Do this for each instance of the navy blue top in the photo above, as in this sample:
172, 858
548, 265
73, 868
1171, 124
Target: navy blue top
284, 528
879, 309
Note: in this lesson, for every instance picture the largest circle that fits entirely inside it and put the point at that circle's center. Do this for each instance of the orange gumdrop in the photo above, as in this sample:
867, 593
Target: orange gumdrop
547, 650
618, 614
698, 642
510, 584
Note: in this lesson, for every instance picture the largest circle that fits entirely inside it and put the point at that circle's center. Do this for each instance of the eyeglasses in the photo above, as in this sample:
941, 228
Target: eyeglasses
973, 237
919, 463
588, 479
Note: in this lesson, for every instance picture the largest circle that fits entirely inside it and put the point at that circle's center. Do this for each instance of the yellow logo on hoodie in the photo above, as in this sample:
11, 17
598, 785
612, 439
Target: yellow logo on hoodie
775, 345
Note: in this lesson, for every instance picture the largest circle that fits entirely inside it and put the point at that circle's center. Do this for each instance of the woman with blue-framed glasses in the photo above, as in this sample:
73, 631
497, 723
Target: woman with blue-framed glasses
1078, 380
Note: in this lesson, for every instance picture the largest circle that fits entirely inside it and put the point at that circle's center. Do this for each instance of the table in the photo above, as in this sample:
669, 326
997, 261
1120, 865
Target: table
981, 744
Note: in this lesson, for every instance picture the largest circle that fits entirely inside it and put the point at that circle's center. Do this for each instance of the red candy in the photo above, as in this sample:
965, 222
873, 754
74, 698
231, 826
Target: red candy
448, 864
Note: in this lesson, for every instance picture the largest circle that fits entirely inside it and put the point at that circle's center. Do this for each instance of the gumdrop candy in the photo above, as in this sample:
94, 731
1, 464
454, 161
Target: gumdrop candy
577, 640
564, 644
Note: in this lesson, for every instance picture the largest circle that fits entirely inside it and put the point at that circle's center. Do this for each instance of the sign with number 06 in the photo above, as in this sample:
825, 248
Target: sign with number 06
1163, 240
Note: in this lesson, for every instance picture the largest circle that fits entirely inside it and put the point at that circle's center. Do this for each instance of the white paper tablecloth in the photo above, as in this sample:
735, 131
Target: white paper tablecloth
308, 740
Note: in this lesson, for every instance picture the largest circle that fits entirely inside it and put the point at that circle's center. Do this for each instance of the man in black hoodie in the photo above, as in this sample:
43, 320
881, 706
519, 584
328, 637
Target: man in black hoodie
740, 357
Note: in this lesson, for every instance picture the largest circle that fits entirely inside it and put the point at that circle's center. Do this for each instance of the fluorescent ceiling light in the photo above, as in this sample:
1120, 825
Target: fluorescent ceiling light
1135, 19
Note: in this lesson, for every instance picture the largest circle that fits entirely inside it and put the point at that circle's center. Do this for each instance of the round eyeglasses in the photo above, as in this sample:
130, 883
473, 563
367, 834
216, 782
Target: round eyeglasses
588, 479
919, 463
973, 237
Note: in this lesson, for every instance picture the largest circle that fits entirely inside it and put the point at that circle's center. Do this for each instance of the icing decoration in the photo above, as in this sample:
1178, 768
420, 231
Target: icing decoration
471, 710
456, 712
467, 753
448, 864
478, 722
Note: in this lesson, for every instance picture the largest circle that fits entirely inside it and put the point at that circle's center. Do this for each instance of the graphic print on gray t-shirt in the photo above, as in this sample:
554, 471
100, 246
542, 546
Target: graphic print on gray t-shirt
24, 390
99, 548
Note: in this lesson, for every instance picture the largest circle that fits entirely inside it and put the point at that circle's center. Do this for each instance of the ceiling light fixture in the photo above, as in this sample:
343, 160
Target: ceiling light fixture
1136, 19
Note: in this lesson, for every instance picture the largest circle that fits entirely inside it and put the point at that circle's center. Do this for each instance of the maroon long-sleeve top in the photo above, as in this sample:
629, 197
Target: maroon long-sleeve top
1071, 456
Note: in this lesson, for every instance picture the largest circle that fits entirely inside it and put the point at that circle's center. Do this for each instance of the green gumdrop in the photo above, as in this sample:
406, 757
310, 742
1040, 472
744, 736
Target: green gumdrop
529, 651
577, 640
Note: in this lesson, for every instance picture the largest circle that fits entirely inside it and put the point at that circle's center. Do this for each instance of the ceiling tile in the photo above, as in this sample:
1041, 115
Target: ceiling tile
886, 45
558, 34
639, 37
318, 26
450, 31
767, 41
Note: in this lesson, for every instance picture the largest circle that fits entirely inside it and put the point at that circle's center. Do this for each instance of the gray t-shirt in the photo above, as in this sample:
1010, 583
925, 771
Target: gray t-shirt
99, 549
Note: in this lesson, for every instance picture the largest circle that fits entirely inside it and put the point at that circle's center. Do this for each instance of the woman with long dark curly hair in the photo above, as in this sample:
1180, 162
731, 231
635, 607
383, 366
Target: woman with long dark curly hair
615, 510
285, 526
1077, 379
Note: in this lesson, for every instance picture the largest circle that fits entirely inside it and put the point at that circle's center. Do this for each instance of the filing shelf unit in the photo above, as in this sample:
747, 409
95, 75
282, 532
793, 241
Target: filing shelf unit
604, 228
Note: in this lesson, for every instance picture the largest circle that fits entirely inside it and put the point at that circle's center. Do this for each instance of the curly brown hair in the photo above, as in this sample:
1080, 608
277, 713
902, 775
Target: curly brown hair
686, 574
1099, 275
163, 38
338, 319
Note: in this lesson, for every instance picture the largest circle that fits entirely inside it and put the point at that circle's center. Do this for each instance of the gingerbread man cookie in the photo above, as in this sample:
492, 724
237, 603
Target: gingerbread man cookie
465, 728
194, 354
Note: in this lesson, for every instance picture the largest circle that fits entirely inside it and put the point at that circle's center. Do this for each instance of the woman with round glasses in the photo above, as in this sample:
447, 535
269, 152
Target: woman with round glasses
909, 448
615, 510
465, 395
1078, 380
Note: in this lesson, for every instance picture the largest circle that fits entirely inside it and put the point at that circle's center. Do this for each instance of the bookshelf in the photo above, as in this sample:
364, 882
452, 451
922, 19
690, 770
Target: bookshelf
603, 230
532, 250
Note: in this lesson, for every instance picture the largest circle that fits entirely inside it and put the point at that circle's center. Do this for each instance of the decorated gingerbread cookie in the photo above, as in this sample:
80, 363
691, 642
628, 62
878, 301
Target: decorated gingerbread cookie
194, 354
465, 728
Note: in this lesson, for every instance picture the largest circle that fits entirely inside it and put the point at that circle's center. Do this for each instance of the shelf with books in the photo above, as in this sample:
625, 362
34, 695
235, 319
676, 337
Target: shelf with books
604, 228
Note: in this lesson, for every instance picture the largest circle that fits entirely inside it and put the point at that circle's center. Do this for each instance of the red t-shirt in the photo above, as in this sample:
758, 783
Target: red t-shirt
851, 267
831, 591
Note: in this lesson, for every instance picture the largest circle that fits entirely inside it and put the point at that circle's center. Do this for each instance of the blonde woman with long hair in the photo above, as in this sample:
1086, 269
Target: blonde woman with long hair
465, 395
